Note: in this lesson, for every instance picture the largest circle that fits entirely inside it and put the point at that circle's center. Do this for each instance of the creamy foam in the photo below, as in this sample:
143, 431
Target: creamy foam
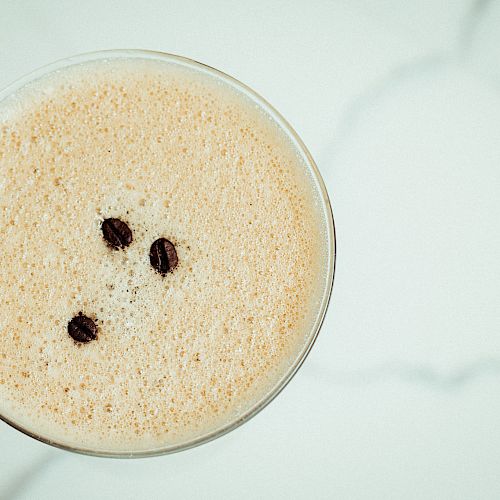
174, 153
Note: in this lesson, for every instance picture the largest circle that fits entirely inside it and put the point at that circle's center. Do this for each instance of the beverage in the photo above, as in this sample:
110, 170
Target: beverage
164, 255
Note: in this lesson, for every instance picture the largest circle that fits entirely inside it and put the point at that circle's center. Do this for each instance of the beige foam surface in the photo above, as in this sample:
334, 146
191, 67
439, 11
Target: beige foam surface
174, 154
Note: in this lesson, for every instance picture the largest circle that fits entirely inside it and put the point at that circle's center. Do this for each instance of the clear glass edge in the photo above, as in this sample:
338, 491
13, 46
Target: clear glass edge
331, 241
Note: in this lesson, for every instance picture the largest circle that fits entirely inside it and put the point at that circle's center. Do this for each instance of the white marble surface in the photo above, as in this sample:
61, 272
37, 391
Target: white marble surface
399, 102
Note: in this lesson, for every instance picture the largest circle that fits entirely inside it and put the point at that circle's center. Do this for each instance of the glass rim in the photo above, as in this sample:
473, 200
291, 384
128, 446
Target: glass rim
316, 178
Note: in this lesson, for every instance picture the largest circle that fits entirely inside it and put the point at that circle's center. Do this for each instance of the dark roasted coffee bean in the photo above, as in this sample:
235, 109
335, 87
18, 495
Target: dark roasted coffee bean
163, 256
82, 329
116, 233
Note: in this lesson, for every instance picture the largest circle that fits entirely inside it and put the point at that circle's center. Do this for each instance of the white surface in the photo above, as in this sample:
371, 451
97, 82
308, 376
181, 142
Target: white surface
399, 103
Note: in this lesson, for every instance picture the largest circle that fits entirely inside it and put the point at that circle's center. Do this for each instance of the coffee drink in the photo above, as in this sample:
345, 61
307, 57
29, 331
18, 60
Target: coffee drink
163, 249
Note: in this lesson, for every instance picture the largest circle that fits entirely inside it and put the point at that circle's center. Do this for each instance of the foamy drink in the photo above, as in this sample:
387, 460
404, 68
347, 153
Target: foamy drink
163, 249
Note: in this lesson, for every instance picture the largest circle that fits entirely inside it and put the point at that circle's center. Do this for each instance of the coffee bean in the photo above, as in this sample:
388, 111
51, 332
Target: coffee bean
82, 329
163, 256
116, 233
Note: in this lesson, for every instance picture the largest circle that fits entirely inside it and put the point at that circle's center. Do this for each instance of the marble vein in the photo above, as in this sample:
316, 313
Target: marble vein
378, 91
18, 484
421, 374
477, 10
403, 72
